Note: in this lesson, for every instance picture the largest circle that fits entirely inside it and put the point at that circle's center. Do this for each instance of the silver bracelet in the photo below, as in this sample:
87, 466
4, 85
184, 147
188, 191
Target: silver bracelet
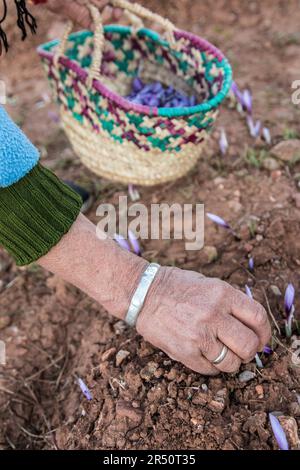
140, 294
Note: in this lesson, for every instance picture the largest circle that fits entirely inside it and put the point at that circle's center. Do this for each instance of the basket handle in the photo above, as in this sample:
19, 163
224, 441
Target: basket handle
134, 12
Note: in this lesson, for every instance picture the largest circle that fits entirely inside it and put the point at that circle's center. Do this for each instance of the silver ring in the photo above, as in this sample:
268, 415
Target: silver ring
221, 356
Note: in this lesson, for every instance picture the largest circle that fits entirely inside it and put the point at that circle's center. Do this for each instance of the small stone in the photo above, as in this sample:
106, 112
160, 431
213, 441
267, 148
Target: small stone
204, 387
200, 398
159, 373
259, 238
218, 403
276, 291
172, 374
260, 391
121, 356
287, 150
210, 254
271, 164
290, 427
246, 376
149, 370
126, 410
294, 409
119, 327
275, 175
108, 354
4, 322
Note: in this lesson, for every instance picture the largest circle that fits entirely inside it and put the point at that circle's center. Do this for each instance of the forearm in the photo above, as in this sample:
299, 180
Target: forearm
100, 268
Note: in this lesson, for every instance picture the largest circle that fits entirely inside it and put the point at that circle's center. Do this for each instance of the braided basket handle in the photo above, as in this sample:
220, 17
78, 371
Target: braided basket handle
134, 12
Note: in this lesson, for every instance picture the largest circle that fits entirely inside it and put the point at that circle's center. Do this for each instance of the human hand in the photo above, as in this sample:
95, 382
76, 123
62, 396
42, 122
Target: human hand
190, 317
78, 11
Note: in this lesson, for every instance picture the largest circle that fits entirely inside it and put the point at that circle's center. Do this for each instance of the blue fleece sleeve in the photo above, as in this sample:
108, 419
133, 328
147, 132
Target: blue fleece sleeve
17, 154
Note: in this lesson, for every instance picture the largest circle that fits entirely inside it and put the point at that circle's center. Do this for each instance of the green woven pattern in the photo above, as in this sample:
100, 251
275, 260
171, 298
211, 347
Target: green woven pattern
35, 213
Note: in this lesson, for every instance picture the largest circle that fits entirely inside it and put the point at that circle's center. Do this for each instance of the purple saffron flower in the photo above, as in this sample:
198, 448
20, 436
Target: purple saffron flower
251, 264
134, 243
237, 93
267, 350
122, 242
267, 135
218, 220
137, 85
278, 433
248, 291
223, 142
193, 101
84, 389
247, 101
289, 299
254, 127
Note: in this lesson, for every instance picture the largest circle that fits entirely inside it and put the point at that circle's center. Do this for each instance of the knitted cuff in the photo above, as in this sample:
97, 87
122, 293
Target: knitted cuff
35, 213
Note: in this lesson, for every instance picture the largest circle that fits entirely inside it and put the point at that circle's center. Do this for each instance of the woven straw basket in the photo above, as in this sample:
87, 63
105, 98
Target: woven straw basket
91, 74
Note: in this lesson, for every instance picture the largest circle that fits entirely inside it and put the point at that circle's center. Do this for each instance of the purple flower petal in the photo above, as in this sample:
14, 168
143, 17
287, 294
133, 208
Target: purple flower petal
237, 93
193, 101
248, 291
223, 142
289, 298
84, 389
251, 264
134, 243
122, 242
137, 85
254, 127
218, 220
247, 101
267, 350
278, 433
267, 135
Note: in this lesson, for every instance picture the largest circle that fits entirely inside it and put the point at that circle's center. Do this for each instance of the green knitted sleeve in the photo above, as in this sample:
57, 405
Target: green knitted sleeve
35, 213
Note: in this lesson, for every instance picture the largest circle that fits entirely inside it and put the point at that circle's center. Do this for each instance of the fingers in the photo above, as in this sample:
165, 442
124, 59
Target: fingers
202, 366
252, 314
231, 362
239, 338
192, 358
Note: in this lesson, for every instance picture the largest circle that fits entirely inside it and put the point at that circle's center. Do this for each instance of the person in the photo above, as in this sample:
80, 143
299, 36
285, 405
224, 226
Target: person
204, 323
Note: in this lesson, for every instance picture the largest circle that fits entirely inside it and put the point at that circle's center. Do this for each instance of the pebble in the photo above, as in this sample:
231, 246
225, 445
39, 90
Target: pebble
246, 376
4, 322
287, 150
121, 356
210, 253
108, 354
276, 291
260, 391
149, 370
218, 403
271, 164
126, 410
290, 427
